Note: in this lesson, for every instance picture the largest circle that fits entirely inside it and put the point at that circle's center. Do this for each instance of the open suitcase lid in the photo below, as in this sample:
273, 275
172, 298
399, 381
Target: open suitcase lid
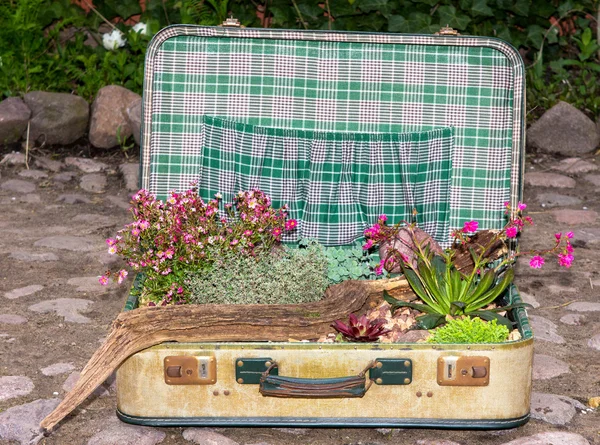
319, 82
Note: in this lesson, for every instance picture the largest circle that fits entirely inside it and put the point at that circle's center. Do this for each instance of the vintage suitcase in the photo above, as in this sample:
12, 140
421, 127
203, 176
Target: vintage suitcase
458, 101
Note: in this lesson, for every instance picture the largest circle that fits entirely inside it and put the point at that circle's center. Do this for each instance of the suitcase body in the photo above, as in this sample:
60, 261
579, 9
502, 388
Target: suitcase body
336, 82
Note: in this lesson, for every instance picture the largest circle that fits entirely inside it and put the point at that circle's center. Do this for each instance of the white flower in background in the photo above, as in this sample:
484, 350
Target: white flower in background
113, 40
140, 27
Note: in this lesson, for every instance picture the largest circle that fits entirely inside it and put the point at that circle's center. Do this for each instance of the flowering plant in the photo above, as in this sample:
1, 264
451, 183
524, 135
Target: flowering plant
446, 283
167, 240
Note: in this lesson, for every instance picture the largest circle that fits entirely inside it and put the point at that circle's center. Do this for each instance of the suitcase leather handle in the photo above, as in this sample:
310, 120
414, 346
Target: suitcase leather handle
293, 387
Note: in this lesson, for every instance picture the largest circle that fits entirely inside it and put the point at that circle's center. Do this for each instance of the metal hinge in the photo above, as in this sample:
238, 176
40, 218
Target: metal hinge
231, 22
447, 31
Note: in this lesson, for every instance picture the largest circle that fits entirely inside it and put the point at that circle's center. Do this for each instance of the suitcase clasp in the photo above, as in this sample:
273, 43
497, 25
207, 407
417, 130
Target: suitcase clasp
447, 31
190, 370
231, 22
463, 371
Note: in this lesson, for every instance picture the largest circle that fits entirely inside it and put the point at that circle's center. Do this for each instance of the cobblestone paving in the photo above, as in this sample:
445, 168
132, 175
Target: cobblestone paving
56, 215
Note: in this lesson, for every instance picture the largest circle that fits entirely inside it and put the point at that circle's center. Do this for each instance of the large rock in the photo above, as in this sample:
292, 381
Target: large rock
203, 436
134, 114
22, 423
543, 179
547, 367
109, 113
93, 183
544, 329
69, 308
14, 115
554, 409
12, 386
114, 432
551, 438
131, 175
57, 118
565, 130
68, 242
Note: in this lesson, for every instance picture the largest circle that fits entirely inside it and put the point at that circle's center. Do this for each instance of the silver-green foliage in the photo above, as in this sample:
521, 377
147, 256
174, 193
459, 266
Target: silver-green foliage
469, 330
348, 264
290, 276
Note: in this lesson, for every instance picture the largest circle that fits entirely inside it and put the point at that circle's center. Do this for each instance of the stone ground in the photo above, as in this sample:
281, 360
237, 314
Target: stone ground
56, 215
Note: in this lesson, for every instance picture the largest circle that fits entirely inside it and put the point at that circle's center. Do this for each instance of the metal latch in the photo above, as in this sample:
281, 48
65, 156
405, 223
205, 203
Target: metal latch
447, 31
463, 371
231, 22
190, 370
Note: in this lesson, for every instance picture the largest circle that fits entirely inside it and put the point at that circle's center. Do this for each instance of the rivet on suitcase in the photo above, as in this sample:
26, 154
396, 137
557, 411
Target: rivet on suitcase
444, 113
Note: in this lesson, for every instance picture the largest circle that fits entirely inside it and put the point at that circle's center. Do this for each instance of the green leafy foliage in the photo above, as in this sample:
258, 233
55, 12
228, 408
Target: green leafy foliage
469, 330
351, 263
50, 45
446, 291
288, 277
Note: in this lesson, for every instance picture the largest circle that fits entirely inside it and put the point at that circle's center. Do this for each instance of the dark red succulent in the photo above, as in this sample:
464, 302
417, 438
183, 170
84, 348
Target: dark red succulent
360, 329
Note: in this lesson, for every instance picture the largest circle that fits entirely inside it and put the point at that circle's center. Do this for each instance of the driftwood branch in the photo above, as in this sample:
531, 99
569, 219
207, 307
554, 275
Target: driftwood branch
142, 328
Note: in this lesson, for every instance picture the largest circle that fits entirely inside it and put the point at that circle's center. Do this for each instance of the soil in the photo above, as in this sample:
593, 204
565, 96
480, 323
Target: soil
47, 338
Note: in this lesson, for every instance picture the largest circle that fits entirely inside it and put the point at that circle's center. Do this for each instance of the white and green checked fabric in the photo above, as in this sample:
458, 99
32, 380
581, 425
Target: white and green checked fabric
340, 82
336, 184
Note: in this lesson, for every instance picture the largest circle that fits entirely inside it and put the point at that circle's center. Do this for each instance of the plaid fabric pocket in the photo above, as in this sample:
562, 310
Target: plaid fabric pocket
336, 184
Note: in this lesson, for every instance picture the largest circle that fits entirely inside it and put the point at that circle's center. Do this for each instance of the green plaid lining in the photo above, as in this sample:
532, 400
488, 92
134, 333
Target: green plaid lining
336, 184
340, 82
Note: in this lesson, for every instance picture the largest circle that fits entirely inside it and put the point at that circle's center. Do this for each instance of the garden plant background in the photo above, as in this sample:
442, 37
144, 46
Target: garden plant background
57, 45
53, 225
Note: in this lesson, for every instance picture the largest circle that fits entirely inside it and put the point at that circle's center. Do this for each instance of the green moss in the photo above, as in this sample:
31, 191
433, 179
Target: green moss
469, 330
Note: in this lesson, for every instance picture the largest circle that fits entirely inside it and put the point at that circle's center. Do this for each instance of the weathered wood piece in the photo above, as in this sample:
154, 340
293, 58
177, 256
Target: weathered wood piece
142, 328
463, 259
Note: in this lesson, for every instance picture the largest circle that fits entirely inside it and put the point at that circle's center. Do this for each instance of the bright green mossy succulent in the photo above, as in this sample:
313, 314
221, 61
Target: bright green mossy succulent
469, 330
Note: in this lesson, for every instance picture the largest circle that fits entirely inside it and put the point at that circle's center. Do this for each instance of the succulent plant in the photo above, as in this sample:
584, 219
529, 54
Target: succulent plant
360, 329
348, 264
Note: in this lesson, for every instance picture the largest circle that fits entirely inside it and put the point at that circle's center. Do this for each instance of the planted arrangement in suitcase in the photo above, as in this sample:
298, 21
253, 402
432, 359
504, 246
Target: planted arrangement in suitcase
333, 136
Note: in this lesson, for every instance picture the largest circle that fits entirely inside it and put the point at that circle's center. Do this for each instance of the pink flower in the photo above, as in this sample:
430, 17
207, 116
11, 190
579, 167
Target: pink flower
135, 231
565, 260
379, 269
529, 220
518, 223
112, 250
522, 206
368, 245
276, 231
569, 248
507, 204
372, 231
180, 290
234, 242
291, 224
536, 262
558, 236
383, 218
470, 227
143, 224
511, 232
248, 233
111, 241
103, 280
569, 235
122, 275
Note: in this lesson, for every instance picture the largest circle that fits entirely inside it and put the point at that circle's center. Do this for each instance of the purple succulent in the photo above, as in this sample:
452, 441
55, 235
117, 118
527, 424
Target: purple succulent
360, 329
